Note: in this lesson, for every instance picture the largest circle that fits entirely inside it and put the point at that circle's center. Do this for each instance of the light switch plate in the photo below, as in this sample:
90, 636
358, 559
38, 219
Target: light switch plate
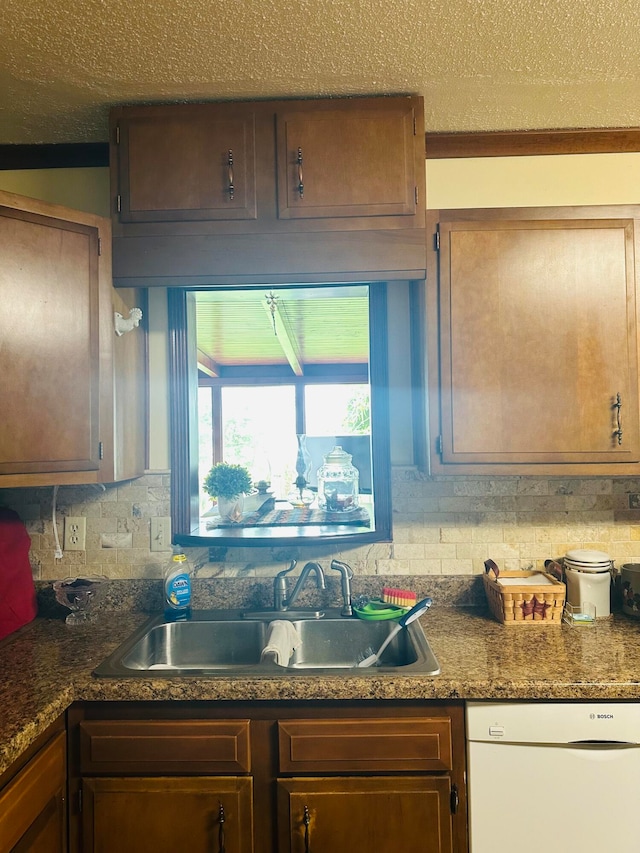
160, 534
75, 533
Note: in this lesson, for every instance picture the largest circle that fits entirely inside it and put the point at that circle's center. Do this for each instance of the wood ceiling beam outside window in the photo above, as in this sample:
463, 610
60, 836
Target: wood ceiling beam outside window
207, 365
276, 314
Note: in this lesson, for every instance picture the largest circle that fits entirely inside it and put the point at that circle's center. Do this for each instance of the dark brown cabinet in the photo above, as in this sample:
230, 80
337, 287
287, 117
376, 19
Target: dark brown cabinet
533, 342
200, 814
202, 191
287, 777
69, 417
385, 782
386, 814
33, 803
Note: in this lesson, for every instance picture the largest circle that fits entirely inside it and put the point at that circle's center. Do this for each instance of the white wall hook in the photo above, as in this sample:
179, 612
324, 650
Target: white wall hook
126, 324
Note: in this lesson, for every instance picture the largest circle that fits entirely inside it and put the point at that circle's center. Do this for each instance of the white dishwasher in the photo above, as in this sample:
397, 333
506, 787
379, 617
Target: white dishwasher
558, 777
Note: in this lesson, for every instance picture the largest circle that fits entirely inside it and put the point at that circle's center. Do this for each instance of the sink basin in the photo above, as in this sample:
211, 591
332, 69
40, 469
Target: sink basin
223, 643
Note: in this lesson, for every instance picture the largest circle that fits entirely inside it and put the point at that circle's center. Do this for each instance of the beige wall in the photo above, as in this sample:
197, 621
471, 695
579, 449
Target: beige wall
534, 181
83, 189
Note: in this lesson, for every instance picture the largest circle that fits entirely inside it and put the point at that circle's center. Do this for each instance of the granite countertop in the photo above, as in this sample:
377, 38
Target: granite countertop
46, 666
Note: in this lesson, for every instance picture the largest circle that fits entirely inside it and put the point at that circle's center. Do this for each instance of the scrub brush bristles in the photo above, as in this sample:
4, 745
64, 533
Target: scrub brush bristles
401, 597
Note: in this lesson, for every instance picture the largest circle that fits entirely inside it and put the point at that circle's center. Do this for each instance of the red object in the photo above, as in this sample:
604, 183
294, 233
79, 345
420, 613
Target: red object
17, 591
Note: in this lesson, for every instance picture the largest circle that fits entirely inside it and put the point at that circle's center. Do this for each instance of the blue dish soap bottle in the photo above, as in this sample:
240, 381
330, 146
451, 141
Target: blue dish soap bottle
177, 586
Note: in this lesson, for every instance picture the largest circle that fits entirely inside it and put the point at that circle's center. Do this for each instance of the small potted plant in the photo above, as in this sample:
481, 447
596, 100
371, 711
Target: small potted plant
228, 484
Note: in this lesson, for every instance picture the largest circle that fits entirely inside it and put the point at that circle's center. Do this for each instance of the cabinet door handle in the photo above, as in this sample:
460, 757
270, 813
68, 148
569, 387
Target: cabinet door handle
299, 160
617, 406
306, 819
221, 820
454, 799
230, 188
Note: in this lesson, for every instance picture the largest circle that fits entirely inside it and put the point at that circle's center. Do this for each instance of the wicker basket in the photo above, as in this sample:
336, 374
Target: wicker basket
526, 603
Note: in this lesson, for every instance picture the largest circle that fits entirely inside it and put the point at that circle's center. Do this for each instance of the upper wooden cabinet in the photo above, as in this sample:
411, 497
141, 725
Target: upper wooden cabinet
533, 341
187, 162
308, 159
49, 351
277, 188
350, 159
73, 391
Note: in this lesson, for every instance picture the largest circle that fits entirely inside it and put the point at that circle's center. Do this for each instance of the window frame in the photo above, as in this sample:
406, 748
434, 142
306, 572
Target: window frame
185, 513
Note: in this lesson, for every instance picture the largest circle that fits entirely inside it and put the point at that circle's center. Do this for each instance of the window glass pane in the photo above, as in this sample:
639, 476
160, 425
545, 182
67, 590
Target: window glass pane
337, 409
205, 436
259, 432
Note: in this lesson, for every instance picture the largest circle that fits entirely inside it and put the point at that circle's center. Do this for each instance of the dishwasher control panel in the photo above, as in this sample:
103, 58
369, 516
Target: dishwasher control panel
554, 722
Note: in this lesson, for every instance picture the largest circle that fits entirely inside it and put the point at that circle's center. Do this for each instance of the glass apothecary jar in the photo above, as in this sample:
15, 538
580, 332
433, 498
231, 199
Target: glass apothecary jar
338, 482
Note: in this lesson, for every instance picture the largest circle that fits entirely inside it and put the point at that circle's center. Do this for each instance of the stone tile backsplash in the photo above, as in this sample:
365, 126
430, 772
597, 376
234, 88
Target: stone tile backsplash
442, 526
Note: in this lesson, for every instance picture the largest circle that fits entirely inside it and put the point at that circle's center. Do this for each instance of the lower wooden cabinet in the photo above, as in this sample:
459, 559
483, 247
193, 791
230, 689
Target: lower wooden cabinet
32, 803
386, 814
287, 777
198, 814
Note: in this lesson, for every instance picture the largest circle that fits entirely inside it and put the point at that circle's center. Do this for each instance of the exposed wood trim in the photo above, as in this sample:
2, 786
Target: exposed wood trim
438, 146
59, 156
532, 143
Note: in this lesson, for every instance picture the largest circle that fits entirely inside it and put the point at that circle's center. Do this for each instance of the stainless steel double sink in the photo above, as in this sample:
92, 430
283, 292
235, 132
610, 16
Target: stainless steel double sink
229, 643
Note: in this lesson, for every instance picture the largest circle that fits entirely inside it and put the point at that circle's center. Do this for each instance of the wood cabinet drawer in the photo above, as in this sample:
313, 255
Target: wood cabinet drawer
149, 746
365, 744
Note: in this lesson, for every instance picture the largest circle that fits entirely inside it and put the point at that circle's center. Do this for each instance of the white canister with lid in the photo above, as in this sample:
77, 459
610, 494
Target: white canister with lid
588, 576
630, 584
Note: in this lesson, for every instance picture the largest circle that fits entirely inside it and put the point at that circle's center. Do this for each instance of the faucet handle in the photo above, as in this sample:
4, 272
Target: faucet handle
284, 572
280, 587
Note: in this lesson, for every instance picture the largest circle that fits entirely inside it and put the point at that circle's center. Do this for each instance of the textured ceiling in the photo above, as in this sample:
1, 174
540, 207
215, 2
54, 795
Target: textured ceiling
480, 64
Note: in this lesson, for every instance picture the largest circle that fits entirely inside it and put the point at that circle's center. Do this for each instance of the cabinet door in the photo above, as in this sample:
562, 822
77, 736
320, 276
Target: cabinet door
164, 815
49, 342
538, 349
32, 806
185, 162
350, 159
386, 814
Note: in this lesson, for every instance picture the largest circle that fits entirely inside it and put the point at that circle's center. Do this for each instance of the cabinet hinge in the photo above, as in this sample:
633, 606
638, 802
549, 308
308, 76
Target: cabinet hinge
118, 203
100, 450
454, 799
415, 194
117, 134
79, 800
99, 245
436, 239
415, 126
439, 445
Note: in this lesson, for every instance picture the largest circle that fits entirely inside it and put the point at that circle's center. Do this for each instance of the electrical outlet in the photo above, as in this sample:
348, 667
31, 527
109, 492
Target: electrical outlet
160, 534
75, 533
